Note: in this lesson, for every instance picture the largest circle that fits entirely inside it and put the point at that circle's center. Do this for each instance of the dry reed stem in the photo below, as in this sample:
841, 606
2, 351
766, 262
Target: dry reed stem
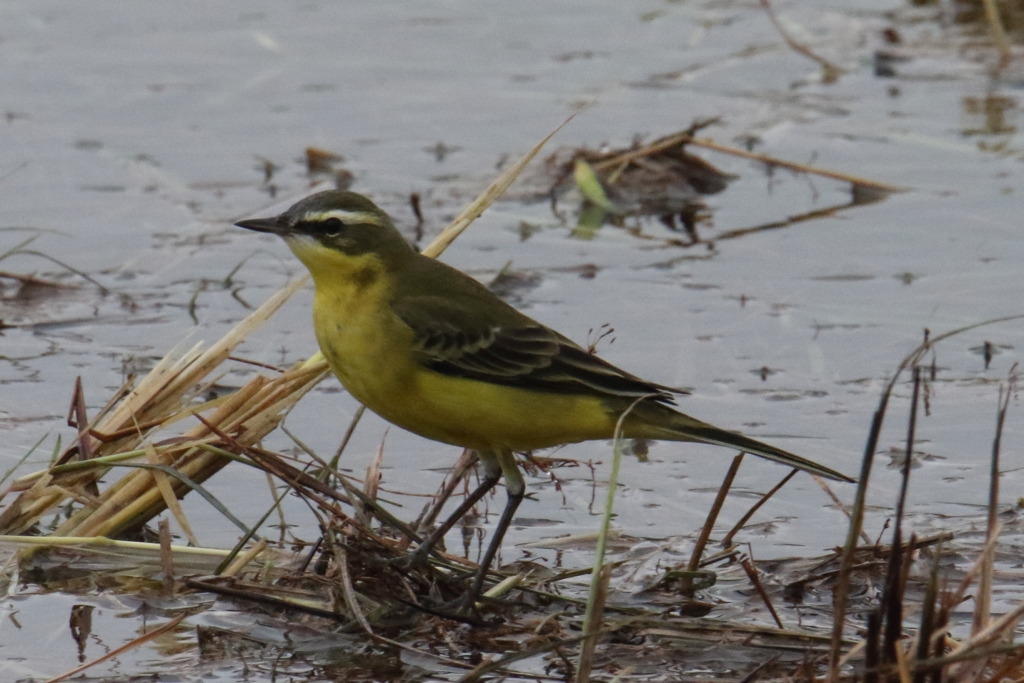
793, 166
592, 626
709, 523
166, 556
504, 586
245, 558
349, 592
973, 652
253, 411
839, 504
983, 600
131, 553
156, 399
727, 541
480, 204
373, 475
163, 482
261, 420
132, 486
995, 630
902, 665
755, 579
830, 71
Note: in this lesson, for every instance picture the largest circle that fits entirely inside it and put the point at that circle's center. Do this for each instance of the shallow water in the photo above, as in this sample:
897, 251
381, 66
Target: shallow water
133, 138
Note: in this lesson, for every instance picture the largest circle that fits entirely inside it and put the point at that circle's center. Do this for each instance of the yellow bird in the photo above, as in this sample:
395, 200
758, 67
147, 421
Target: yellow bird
433, 351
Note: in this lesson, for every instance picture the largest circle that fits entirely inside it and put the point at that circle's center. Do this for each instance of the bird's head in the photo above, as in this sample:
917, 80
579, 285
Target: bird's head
335, 225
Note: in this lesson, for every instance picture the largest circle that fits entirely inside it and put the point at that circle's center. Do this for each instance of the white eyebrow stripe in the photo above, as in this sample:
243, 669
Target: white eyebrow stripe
346, 217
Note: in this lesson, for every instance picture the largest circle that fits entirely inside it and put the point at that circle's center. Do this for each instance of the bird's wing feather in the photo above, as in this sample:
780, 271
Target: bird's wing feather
454, 338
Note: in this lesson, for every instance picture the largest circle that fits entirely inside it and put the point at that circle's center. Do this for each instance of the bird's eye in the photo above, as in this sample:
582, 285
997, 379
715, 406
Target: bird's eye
332, 227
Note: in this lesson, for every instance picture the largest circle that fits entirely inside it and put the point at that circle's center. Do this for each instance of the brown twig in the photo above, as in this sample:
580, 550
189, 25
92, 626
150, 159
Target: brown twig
681, 138
166, 556
466, 462
839, 504
709, 523
983, 599
348, 591
931, 596
755, 579
727, 541
830, 72
256, 363
793, 166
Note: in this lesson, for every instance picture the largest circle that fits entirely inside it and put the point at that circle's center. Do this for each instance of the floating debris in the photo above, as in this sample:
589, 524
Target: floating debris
660, 179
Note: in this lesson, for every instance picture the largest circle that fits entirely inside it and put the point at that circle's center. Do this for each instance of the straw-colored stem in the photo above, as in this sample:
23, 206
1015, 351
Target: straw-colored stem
595, 598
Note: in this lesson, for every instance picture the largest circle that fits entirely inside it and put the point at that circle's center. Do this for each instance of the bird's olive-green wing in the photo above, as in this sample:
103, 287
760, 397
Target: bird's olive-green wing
462, 338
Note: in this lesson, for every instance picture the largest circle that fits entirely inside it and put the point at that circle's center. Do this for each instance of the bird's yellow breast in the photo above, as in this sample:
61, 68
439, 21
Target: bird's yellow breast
370, 349
366, 345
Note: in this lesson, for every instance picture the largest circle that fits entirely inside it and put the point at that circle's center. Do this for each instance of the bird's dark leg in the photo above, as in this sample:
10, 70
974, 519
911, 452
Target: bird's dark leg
492, 474
516, 488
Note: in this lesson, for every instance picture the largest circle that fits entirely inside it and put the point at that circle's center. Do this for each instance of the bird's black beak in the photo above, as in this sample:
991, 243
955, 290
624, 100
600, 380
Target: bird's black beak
273, 225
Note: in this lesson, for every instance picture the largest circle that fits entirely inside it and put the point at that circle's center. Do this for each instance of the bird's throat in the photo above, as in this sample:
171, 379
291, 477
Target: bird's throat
332, 269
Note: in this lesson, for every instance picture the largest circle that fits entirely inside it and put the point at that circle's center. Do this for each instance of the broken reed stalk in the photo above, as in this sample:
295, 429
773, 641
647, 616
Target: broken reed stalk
705, 533
983, 595
931, 597
830, 71
493, 191
825, 212
842, 507
250, 415
794, 166
154, 404
890, 607
755, 580
983, 602
466, 462
163, 397
727, 541
166, 557
333, 465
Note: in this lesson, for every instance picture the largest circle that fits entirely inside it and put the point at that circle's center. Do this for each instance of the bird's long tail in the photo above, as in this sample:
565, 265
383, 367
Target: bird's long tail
657, 421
